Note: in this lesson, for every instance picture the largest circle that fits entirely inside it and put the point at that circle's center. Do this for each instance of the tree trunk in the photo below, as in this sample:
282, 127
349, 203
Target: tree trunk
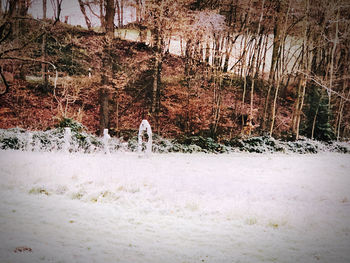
273, 117
187, 83
117, 5
109, 18
314, 123
156, 74
228, 51
217, 99
341, 110
102, 15
105, 81
215, 58
305, 66
106, 65
122, 12
280, 8
59, 9
331, 73
43, 49
83, 11
22, 8
157, 68
254, 69
138, 11
207, 51
104, 105
264, 57
244, 73
260, 55
21, 11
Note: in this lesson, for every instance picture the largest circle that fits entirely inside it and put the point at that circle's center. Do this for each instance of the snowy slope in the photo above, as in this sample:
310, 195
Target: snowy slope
174, 208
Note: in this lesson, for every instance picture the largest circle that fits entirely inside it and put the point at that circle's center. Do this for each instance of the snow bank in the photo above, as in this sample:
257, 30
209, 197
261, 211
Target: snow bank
55, 140
174, 207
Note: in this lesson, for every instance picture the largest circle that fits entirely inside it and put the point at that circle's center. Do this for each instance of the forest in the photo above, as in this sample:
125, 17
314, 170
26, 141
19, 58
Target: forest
175, 131
244, 68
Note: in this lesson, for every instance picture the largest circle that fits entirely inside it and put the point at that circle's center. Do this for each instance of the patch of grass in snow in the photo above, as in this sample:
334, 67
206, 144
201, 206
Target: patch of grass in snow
22, 249
104, 196
192, 206
109, 195
38, 190
274, 224
78, 195
128, 189
251, 221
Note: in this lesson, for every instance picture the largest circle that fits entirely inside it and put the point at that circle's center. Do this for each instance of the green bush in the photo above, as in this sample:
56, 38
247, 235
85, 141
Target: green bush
10, 143
203, 144
302, 147
257, 144
52, 140
12, 139
72, 124
318, 115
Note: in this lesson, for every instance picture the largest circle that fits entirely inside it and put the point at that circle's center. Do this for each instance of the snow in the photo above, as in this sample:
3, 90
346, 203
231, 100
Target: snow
145, 127
174, 207
67, 139
106, 139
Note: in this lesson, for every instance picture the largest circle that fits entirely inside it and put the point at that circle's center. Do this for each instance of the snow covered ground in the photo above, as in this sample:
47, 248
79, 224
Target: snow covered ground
174, 208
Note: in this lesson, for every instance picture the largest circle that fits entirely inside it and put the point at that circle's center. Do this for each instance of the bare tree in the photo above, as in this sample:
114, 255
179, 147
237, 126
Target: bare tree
82, 5
57, 8
159, 20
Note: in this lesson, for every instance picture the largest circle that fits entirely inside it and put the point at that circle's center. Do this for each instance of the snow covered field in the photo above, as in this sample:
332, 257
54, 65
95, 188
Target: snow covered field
174, 208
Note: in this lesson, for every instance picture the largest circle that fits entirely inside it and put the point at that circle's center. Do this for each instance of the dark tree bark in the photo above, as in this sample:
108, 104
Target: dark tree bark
102, 14
57, 5
280, 13
117, 6
109, 18
104, 107
157, 72
43, 48
106, 65
138, 11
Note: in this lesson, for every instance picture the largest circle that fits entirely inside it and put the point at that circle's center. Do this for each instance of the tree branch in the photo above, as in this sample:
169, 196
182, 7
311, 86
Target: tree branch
319, 82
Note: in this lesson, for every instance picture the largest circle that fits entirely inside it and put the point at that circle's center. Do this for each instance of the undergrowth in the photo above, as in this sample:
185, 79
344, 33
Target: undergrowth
81, 141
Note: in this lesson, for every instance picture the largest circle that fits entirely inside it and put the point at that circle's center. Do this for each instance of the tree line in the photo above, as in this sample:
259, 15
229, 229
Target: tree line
298, 50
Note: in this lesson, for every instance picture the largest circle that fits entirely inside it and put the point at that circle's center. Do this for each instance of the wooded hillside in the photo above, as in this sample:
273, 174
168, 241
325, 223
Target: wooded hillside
210, 90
